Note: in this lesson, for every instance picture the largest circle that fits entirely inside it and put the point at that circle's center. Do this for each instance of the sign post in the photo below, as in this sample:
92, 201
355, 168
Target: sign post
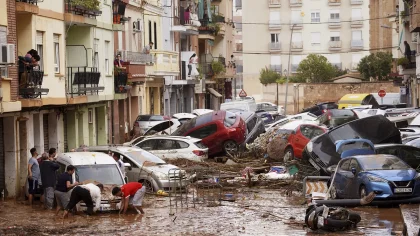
381, 94
242, 94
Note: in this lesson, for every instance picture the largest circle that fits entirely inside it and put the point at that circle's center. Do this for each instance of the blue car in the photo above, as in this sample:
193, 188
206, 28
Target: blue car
386, 175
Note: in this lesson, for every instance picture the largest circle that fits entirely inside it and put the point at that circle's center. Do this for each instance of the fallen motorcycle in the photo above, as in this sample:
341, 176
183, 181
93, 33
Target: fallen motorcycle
330, 218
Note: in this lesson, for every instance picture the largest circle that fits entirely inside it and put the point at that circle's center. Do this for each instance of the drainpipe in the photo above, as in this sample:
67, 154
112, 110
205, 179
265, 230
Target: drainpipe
17, 156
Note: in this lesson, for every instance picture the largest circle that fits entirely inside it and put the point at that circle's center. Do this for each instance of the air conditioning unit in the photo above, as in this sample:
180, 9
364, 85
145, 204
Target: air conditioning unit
7, 54
138, 26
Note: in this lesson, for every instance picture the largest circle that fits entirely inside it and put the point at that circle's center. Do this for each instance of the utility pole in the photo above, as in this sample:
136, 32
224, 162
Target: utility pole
288, 70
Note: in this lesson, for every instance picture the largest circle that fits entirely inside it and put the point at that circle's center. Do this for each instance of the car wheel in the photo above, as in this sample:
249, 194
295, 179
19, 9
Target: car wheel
230, 147
362, 192
148, 185
288, 154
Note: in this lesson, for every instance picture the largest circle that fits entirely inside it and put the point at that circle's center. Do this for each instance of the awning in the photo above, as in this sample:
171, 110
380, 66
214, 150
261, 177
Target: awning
214, 92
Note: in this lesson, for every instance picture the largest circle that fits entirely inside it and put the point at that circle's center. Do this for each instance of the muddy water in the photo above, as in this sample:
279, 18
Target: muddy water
256, 212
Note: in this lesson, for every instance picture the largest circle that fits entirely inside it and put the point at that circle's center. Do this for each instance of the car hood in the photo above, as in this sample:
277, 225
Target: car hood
394, 175
164, 169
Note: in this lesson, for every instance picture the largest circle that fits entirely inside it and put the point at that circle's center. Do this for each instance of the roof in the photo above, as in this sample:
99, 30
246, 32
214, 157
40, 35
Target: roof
86, 158
350, 75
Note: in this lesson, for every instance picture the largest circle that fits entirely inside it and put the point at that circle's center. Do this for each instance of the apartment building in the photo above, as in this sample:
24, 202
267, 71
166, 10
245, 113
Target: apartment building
275, 29
237, 19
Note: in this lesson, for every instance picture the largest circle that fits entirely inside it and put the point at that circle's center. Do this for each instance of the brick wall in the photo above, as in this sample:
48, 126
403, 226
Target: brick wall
12, 38
379, 10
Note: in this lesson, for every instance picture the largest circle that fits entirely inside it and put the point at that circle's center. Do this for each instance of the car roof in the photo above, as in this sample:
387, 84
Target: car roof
85, 158
245, 114
181, 138
119, 148
373, 155
392, 145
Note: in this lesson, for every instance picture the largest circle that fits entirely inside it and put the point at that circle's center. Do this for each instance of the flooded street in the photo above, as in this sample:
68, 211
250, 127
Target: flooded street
255, 212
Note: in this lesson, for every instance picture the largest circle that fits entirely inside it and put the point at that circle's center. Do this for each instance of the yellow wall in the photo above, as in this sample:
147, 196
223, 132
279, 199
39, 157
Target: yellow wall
153, 19
3, 12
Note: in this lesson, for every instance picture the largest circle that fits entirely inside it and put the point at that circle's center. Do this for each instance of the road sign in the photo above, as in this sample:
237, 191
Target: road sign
381, 93
242, 94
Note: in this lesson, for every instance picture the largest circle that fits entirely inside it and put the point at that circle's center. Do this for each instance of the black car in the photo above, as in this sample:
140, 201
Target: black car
319, 108
254, 125
336, 117
409, 154
321, 150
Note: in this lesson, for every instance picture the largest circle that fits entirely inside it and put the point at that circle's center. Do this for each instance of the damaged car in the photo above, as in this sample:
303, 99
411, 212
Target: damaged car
321, 151
254, 125
336, 117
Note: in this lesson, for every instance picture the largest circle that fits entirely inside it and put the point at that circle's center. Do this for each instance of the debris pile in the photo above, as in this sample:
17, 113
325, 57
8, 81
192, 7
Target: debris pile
271, 144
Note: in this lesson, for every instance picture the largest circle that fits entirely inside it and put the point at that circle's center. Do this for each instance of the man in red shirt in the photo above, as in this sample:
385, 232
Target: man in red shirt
131, 193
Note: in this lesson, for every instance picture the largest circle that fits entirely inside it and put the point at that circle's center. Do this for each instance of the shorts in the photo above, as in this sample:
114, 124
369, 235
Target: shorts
34, 187
63, 198
137, 199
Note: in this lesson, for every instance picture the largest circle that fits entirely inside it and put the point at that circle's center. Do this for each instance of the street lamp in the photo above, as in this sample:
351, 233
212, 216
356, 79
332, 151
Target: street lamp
288, 70
388, 27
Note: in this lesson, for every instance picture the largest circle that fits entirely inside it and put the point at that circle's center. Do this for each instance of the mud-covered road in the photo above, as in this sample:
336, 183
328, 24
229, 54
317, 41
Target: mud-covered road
255, 212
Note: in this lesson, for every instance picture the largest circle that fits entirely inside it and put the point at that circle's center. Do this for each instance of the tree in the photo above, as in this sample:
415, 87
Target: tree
376, 66
315, 68
268, 76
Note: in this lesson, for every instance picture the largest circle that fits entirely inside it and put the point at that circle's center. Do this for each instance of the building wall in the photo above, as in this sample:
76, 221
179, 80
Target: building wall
381, 37
12, 39
3, 12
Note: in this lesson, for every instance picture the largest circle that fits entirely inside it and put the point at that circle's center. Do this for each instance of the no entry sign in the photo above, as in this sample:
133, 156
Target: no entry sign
381, 93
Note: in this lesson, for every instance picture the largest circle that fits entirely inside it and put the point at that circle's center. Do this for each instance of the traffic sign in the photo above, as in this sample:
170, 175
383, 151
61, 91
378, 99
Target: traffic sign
242, 94
381, 93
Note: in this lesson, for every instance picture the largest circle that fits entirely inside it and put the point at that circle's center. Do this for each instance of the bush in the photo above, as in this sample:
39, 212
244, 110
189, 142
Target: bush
403, 61
88, 4
268, 76
218, 68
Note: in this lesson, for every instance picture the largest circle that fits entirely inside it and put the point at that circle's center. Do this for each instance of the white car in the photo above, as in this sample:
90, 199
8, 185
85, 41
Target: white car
148, 121
271, 108
301, 116
199, 112
183, 117
173, 147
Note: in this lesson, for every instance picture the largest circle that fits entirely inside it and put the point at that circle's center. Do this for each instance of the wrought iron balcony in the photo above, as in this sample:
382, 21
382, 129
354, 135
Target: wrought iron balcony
218, 19
83, 81
297, 46
206, 28
335, 45
30, 84
120, 82
77, 8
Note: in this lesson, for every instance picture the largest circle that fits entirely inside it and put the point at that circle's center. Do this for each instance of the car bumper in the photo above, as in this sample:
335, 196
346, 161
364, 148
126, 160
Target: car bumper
105, 207
386, 190
314, 160
172, 185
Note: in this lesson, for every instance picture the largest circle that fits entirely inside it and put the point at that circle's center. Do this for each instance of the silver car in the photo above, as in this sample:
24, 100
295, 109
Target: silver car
148, 121
147, 168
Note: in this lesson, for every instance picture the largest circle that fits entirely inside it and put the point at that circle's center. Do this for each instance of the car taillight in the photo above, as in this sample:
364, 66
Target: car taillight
325, 110
166, 118
199, 153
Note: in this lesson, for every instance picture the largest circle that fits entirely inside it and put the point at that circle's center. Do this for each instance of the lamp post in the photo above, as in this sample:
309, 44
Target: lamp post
277, 93
288, 70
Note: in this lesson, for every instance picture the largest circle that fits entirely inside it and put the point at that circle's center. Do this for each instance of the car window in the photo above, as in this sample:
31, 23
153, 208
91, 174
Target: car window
385, 162
342, 112
411, 156
199, 144
156, 118
388, 150
144, 156
204, 131
317, 131
147, 144
345, 165
182, 144
415, 142
143, 118
314, 109
62, 168
166, 144
251, 124
127, 160
329, 106
323, 119
197, 121
354, 164
306, 131
230, 119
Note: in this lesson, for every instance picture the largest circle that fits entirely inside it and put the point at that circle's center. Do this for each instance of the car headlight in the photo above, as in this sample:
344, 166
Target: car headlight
309, 146
161, 175
373, 178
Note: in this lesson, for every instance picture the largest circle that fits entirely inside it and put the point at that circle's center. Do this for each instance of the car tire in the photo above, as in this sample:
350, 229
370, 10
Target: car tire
362, 192
149, 186
230, 147
288, 154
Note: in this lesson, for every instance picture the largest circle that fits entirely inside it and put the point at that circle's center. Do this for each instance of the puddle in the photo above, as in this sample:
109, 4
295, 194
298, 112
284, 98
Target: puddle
255, 212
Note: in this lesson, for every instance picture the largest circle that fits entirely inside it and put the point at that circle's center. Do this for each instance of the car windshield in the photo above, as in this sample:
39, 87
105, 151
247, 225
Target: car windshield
143, 156
104, 174
329, 106
383, 163
342, 112
230, 119
414, 142
341, 121
197, 121
143, 118
157, 118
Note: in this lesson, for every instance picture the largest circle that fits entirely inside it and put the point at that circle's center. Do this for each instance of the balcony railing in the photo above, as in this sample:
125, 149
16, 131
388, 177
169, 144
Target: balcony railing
357, 44
357, 21
165, 63
239, 68
118, 8
206, 28
218, 19
334, 23
276, 68
120, 82
274, 24
334, 2
274, 3
297, 45
356, 2
83, 81
188, 18
206, 69
335, 45
338, 65
34, 2
30, 84
295, 3
274, 46
136, 57
296, 24
294, 68
81, 9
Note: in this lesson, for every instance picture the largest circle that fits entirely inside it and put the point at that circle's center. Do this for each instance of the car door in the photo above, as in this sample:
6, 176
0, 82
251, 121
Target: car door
340, 180
354, 180
166, 149
300, 139
209, 136
349, 181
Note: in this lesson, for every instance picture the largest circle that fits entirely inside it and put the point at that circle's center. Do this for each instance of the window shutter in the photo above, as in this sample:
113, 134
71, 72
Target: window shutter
56, 38
39, 37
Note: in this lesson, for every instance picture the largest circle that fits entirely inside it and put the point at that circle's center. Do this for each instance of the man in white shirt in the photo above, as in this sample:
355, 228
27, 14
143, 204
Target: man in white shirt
86, 193
120, 163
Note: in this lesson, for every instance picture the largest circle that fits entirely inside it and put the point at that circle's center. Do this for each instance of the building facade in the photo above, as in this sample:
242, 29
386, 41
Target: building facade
277, 29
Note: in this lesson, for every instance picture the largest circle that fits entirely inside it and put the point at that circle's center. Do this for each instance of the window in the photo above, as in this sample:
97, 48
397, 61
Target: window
296, 16
316, 38
96, 53
155, 32
334, 58
274, 17
147, 145
40, 48
230, 119
56, 53
296, 59
107, 58
166, 144
356, 35
204, 131
182, 144
275, 60
306, 131
251, 124
355, 165
335, 15
335, 36
275, 38
356, 14
345, 165
315, 16
297, 37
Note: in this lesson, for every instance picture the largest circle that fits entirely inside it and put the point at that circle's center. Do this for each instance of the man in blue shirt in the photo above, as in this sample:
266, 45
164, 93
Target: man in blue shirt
63, 188
34, 175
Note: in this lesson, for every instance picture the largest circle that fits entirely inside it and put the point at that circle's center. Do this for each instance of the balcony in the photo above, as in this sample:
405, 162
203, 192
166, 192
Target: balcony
334, 23
135, 72
356, 22
207, 30
166, 64
238, 4
27, 6
118, 8
297, 46
120, 81
239, 68
218, 19
294, 67
83, 81
334, 45
274, 3
276, 68
334, 2
356, 2
136, 57
337, 65
410, 68
189, 23
80, 13
296, 24
274, 46
274, 24
239, 47
30, 85
295, 3
356, 44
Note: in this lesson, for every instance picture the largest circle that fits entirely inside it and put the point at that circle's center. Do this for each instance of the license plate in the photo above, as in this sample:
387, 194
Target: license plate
403, 190
320, 221
315, 165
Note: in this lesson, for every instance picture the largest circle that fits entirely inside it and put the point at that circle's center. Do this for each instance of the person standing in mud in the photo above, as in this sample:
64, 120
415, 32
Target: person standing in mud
88, 193
63, 189
48, 169
34, 175
131, 193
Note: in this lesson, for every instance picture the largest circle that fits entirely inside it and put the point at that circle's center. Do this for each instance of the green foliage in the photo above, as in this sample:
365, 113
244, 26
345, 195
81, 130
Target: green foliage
218, 68
315, 69
376, 65
268, 76
292, 79
403, 61
339, 72
215, 27
88, 4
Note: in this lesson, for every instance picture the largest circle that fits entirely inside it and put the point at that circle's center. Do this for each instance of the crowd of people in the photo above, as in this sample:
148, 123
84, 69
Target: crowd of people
43, 180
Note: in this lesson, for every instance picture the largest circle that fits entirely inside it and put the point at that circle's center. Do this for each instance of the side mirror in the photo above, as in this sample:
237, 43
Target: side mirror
332, 169
128, 166
353, 170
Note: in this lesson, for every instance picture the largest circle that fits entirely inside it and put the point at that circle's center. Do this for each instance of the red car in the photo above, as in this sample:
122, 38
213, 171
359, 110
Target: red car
220, 131
299, 137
